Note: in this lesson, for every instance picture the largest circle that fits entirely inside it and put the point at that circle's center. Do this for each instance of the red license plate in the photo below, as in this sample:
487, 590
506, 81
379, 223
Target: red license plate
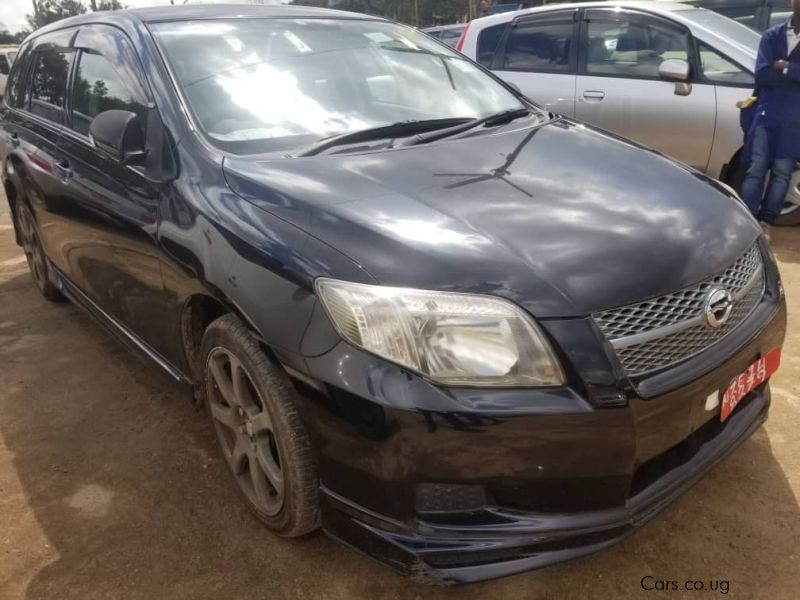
750, 379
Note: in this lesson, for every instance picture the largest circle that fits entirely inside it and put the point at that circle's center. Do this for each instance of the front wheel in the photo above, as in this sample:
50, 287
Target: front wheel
790, 214
34, 253
255, 418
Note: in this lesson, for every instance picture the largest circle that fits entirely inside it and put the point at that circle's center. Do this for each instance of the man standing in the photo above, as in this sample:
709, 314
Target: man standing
773, 139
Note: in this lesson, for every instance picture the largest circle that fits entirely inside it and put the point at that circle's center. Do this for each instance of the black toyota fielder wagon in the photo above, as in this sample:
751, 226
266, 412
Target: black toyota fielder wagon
460, 333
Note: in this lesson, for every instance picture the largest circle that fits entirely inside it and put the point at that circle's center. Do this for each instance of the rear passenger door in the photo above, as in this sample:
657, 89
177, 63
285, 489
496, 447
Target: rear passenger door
538, 54
32, 125
619, 87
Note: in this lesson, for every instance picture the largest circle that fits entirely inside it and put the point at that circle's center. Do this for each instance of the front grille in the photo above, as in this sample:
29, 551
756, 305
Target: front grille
654, 334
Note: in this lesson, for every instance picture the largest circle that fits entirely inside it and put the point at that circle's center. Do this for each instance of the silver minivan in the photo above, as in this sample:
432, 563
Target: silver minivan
667, 75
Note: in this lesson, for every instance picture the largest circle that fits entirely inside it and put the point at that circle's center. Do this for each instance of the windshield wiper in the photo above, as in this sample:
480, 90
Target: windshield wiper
500, 118
393, 130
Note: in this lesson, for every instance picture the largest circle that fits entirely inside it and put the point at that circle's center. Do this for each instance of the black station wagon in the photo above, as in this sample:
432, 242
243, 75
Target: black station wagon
460, 333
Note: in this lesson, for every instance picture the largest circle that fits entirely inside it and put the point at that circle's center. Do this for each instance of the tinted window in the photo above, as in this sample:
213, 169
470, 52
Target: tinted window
49, 84
539, 47
5, 66
97, 88
450, 36
719, 69
488, 39
632, 49
15, 85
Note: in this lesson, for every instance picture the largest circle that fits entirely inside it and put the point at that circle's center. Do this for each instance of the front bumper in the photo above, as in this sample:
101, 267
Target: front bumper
458, 486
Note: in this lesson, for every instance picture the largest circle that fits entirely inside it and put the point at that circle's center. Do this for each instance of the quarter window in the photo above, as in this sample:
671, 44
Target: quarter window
49, 84
488, 40
16, 80
541, 47
632, 49
98, 88
718, 69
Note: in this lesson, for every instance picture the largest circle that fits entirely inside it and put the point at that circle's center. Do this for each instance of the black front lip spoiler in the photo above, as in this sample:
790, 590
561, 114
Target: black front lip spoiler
515, 542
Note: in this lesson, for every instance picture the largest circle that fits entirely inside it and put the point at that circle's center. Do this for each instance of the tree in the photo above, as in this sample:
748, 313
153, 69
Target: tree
50, 11
106, 5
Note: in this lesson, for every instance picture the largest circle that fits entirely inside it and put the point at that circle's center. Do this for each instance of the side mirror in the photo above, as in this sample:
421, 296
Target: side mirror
674, 69
119, 135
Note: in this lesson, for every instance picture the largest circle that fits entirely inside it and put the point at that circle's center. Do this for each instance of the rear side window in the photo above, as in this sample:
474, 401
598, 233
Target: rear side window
15, 86
539, 47
450, 36
49, 84
488, 40
98, 87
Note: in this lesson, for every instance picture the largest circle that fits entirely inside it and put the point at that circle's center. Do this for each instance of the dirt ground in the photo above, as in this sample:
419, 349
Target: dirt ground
111, 487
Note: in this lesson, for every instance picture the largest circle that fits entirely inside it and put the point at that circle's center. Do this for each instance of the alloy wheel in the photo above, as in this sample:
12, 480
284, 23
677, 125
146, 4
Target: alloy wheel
245, 430
792, 202
34, 254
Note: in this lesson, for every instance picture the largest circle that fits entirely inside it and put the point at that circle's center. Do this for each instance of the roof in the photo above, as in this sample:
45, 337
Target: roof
188, 12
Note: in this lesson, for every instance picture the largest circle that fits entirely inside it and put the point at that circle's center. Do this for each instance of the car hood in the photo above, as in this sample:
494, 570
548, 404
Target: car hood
560, 218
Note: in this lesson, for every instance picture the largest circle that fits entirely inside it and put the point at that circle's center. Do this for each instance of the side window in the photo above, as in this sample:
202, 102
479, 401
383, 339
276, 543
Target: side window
97, 88
718, 69
632, 48
49, 84
5, 66
488, 39
543, 47
450, 36
15, 86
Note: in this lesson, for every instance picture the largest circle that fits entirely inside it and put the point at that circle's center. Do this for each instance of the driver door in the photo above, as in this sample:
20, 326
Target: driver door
619, 87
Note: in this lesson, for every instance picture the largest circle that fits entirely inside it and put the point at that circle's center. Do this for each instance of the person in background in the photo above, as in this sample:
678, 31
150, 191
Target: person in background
772, 142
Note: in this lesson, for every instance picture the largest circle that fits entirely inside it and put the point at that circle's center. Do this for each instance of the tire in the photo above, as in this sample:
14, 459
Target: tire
34, 253
255, 418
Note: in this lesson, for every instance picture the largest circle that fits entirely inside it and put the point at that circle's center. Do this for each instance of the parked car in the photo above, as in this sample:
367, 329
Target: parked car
449, 34
756, 14
666, 75
463, 335
7, 54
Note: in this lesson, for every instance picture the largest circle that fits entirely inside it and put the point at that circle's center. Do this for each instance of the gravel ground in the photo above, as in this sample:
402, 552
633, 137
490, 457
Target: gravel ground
111, 487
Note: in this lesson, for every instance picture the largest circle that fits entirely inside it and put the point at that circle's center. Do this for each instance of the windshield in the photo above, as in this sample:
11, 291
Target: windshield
723, 27
259, 85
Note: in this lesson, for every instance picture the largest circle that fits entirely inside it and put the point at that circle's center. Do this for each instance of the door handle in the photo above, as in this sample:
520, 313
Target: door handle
63, 169
594, 95
14, 139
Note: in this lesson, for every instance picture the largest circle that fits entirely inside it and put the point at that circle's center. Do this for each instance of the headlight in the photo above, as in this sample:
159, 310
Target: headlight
450, 338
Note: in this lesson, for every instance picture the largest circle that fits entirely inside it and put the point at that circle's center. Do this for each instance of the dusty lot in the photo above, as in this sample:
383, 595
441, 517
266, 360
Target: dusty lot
110, 487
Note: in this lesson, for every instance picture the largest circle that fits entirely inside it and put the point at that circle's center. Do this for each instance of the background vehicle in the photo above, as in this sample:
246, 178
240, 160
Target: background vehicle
757, 14
7, 54
448, 34
666, 75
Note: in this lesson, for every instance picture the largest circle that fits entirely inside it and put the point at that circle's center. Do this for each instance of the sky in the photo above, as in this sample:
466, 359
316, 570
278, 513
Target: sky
12, 12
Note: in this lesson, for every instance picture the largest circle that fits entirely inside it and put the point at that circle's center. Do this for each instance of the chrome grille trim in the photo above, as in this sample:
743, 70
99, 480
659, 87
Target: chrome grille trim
654, 334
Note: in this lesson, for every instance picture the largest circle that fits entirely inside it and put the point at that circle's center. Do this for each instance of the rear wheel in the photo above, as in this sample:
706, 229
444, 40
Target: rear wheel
250, 402
34, 253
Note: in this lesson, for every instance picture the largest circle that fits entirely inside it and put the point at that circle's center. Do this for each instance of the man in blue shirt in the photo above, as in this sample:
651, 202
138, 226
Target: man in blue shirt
773, 138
